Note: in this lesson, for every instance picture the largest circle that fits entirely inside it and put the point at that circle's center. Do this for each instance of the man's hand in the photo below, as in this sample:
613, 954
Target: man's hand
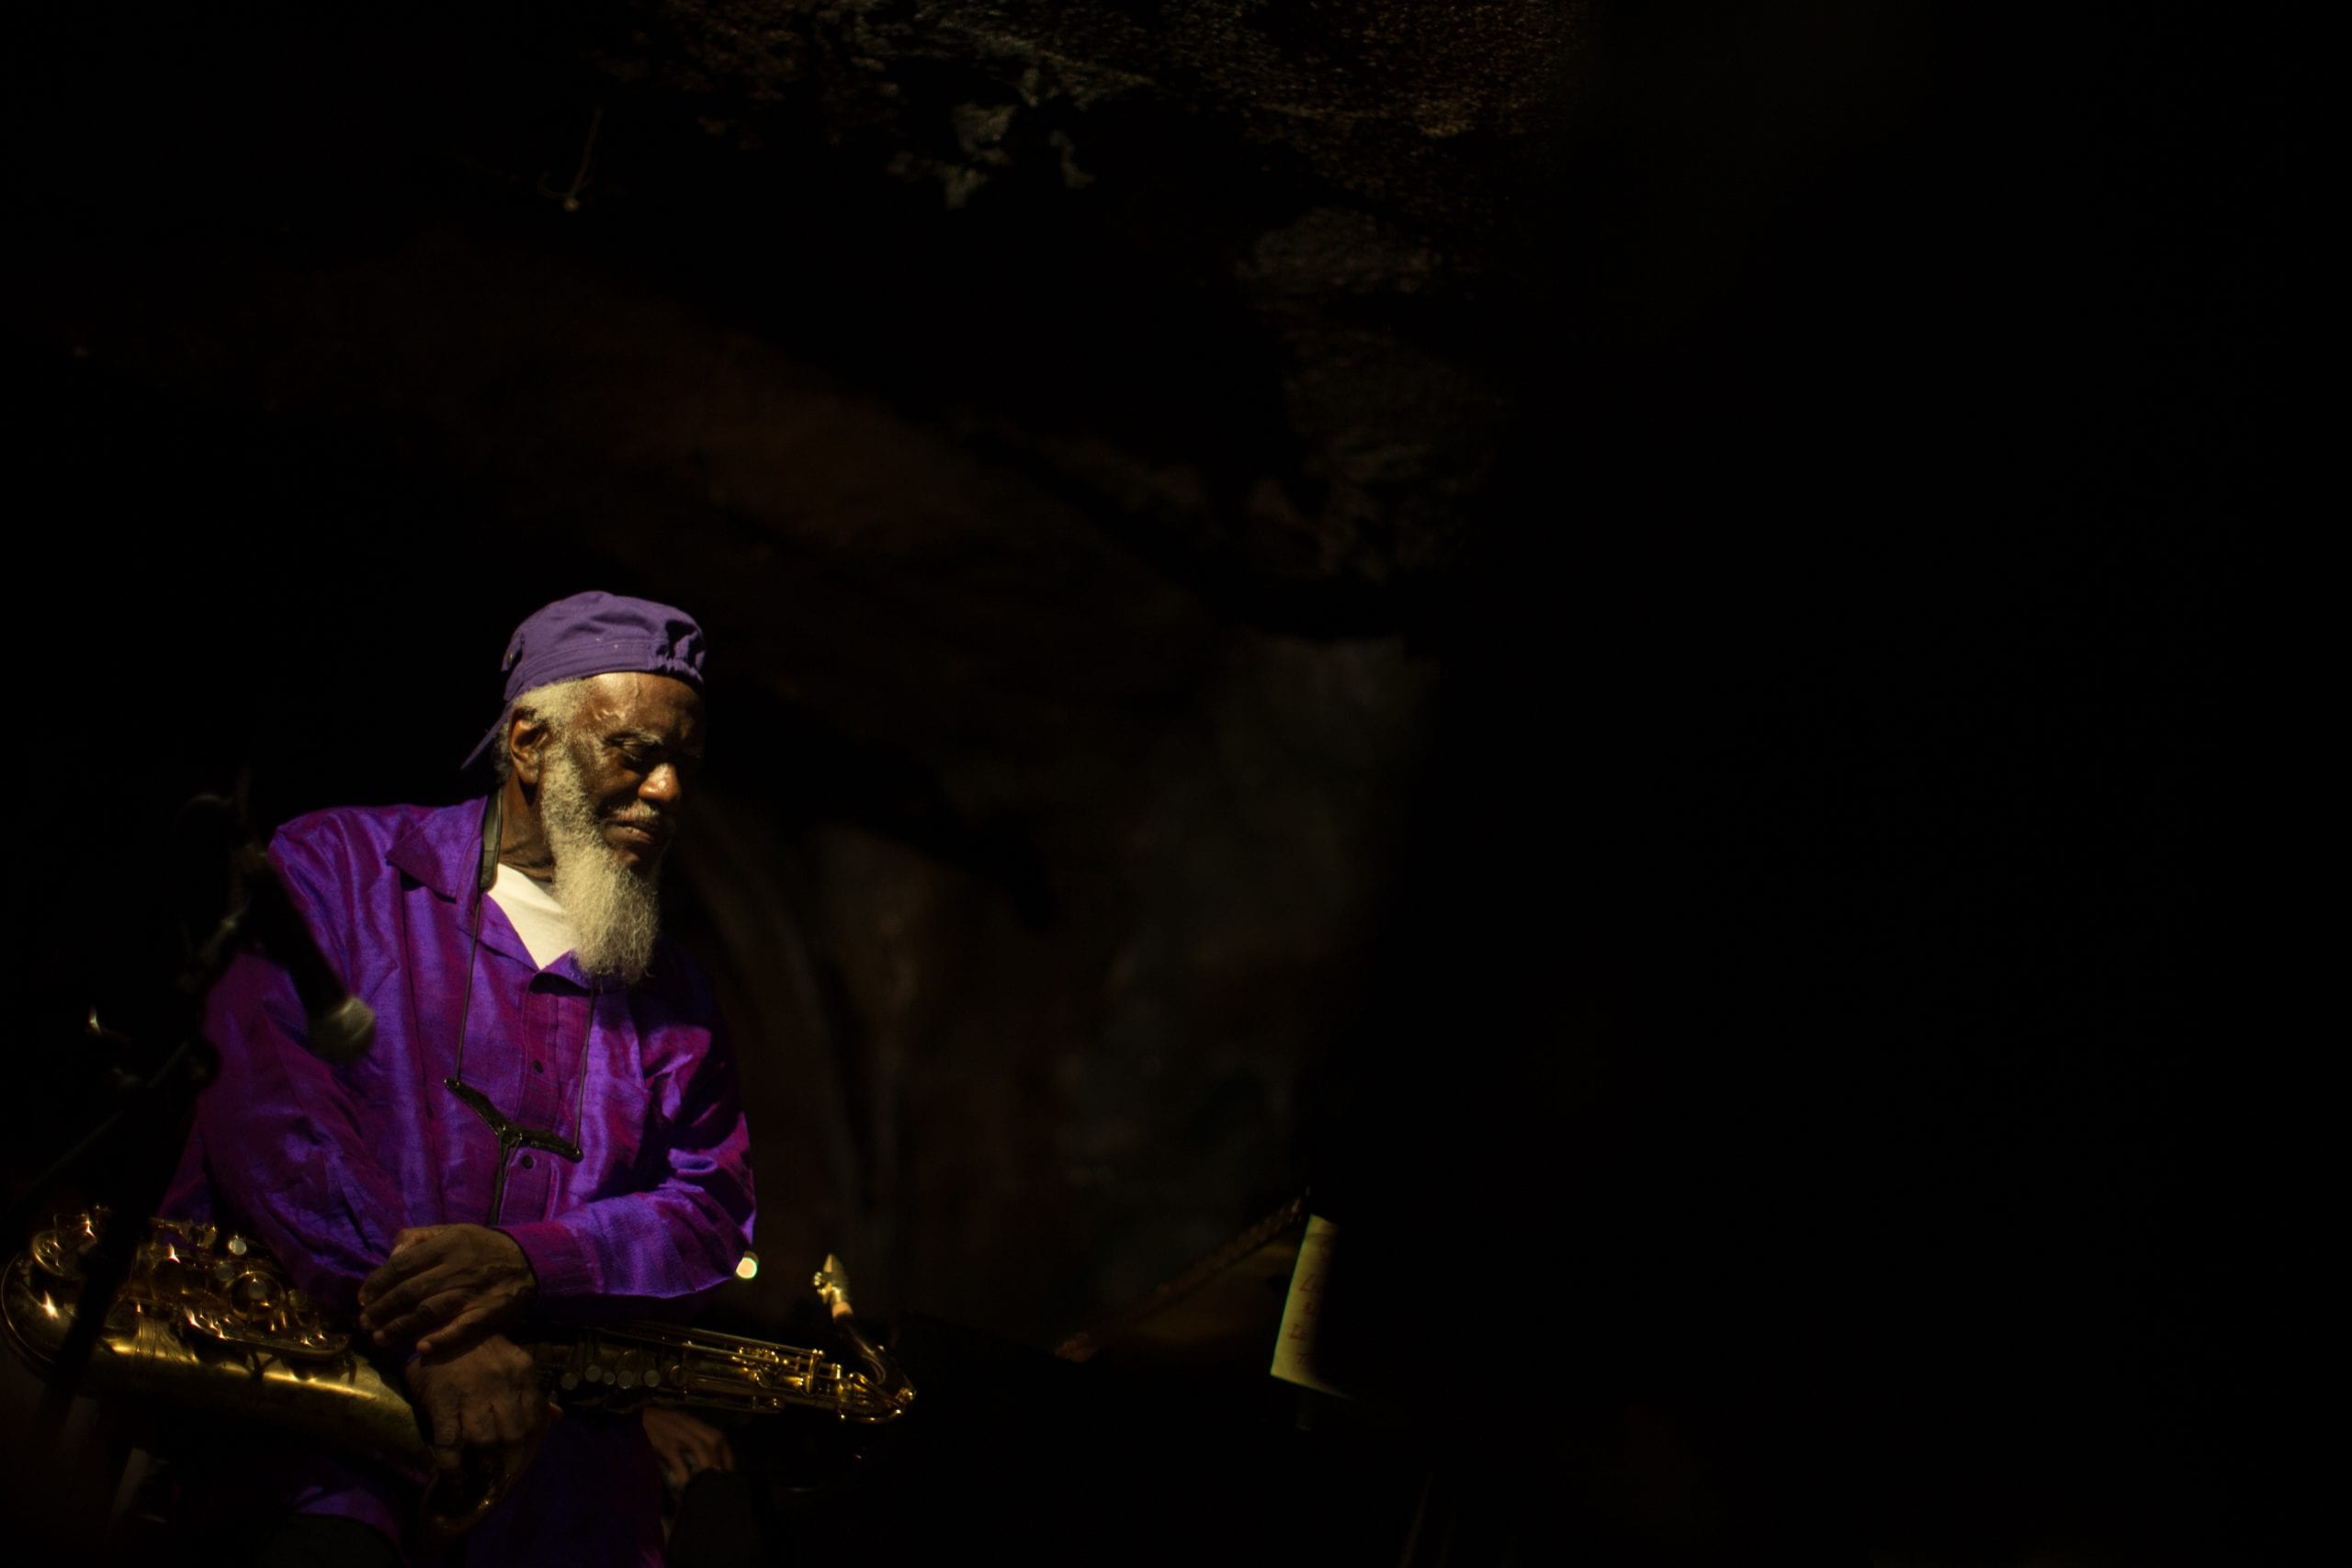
685, 1445
483, 1398
445, 1286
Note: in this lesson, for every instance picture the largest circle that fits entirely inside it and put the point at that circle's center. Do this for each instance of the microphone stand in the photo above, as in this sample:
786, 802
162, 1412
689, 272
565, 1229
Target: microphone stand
142, 1129
142, 1132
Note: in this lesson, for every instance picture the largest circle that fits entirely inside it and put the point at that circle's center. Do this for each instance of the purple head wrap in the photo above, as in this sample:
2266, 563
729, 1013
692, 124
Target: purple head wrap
595, 634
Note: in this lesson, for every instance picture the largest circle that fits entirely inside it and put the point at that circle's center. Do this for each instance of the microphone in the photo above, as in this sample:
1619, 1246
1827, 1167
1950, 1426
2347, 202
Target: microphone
341, 1028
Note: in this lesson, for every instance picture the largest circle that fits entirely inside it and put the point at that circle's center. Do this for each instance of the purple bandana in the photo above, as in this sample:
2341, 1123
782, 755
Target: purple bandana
596, 634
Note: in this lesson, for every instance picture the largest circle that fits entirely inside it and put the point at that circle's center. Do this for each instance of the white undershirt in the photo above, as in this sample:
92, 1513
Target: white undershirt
538, 918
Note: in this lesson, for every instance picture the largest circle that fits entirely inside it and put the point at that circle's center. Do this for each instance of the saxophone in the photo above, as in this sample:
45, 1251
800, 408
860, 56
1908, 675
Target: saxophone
206, 1319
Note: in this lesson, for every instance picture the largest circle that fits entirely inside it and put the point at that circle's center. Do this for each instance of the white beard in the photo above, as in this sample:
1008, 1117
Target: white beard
615, 914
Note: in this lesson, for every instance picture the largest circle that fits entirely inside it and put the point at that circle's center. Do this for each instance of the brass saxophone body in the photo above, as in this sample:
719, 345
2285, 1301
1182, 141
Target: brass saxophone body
206, 1320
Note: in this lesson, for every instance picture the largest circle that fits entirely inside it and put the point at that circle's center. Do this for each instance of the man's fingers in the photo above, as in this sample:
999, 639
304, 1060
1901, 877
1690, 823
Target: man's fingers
395, 1320
461, 1326
389, 1315
679, 1463
684, 1445
396, 1295
446, 1449
408, 1322
480, 1420
384, 1279
406, 1260
523, 1412
484, 1407
689, 1456
441, 1272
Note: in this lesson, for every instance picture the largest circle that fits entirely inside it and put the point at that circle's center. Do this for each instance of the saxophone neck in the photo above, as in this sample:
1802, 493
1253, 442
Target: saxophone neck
832, 1288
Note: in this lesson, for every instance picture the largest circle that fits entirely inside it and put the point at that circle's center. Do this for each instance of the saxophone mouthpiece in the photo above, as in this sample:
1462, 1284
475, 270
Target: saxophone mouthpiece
832, 1285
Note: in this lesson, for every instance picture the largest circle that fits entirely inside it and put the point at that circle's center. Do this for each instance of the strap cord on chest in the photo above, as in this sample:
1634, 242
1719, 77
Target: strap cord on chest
511, 1135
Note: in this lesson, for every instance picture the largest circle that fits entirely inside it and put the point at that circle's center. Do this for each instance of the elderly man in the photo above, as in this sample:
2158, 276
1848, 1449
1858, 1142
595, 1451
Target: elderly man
545, 1126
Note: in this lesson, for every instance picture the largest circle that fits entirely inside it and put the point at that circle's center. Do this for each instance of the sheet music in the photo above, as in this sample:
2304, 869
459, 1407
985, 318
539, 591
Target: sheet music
1303, 1309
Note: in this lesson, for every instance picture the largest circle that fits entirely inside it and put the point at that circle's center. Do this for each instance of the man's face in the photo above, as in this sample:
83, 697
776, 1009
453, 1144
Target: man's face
635, 745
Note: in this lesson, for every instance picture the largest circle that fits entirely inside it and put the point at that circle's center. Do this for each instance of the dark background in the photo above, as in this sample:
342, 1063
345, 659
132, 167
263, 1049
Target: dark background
1625, 639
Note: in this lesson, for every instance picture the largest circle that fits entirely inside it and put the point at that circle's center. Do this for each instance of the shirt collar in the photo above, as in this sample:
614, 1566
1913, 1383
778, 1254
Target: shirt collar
442, 851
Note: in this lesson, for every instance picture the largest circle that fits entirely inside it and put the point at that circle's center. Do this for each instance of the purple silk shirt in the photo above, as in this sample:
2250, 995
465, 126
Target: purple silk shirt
324, 1164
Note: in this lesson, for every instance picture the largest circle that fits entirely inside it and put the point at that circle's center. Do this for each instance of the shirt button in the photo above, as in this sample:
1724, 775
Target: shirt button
538, 1066
529, 1162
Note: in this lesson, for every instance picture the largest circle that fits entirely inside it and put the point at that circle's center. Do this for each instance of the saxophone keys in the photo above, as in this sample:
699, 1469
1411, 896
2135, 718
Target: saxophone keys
256, 1300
